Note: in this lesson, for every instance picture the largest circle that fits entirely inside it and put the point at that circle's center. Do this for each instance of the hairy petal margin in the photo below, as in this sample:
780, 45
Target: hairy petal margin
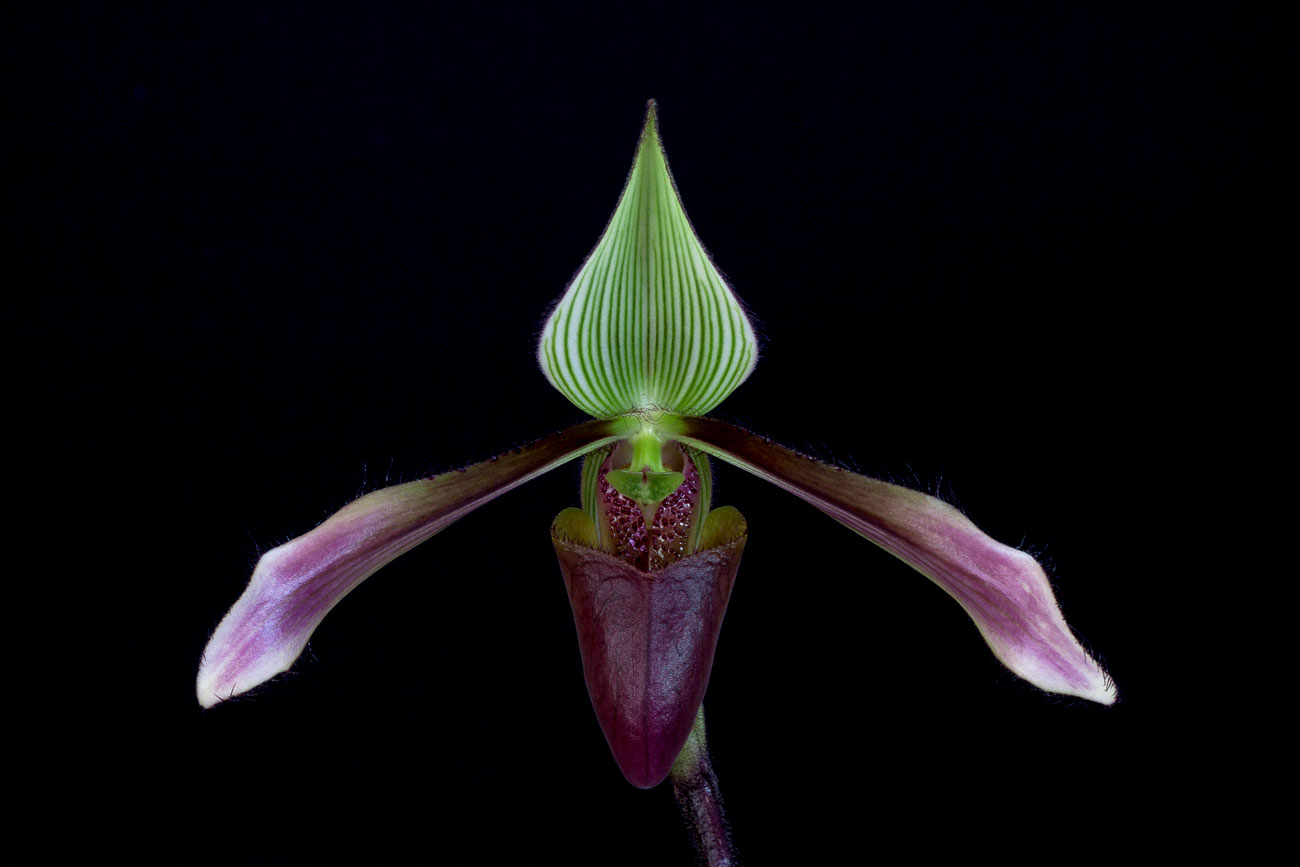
295, 585
1004, 590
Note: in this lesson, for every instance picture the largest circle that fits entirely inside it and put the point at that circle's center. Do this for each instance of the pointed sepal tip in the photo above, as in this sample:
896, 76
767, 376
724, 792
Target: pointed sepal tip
648, 323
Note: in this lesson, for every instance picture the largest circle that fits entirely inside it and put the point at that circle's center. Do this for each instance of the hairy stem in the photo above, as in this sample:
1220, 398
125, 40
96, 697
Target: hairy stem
700, 800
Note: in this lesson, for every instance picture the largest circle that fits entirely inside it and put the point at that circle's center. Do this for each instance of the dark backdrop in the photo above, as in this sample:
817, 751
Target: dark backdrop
261, 262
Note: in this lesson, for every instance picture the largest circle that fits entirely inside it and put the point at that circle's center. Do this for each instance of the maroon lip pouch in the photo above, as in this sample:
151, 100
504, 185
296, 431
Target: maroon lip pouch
647, 641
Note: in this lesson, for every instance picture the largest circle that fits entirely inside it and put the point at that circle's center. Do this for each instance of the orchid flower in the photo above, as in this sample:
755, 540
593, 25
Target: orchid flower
647, 339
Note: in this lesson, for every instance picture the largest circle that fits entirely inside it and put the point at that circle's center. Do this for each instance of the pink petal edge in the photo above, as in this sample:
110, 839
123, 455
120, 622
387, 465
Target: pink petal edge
1004, 590
295, 585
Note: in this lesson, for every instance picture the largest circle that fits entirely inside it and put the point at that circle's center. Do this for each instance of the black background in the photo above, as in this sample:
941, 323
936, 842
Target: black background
263, 261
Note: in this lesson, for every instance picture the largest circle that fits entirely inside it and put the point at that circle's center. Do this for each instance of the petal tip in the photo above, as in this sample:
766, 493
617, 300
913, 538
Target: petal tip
1103, 691
206, 690
1064, 673
231, 667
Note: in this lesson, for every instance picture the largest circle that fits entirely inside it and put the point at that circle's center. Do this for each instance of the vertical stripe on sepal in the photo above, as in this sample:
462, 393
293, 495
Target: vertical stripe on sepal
648, 322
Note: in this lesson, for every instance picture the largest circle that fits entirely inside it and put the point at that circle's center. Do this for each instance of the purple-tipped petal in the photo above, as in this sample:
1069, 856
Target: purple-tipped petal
295, 585
1004, 590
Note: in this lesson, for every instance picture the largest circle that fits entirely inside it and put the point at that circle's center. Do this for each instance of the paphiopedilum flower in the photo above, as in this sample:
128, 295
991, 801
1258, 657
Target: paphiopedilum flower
648, 338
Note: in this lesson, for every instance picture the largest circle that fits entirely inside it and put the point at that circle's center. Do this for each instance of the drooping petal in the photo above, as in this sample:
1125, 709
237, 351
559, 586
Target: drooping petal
295, 585
647, 638
1004, 590
648, 322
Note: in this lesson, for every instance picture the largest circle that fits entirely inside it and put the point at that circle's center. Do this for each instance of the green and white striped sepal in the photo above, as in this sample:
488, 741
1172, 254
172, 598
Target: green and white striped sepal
648, 323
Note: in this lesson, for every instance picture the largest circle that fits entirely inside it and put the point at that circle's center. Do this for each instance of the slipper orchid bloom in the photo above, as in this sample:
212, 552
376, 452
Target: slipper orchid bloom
647, 339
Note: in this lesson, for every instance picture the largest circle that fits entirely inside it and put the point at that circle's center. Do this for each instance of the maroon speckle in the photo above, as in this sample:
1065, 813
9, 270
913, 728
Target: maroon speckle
671, 530
664, 542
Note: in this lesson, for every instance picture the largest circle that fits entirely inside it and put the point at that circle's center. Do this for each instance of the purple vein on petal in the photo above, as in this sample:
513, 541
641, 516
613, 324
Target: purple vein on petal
1004, 590
295, 585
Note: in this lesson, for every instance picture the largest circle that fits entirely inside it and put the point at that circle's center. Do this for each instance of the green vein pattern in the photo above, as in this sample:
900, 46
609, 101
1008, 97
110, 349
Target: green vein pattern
648, 323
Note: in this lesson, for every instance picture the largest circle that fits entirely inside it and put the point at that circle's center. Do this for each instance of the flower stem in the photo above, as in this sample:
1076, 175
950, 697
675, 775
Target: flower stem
700, 800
